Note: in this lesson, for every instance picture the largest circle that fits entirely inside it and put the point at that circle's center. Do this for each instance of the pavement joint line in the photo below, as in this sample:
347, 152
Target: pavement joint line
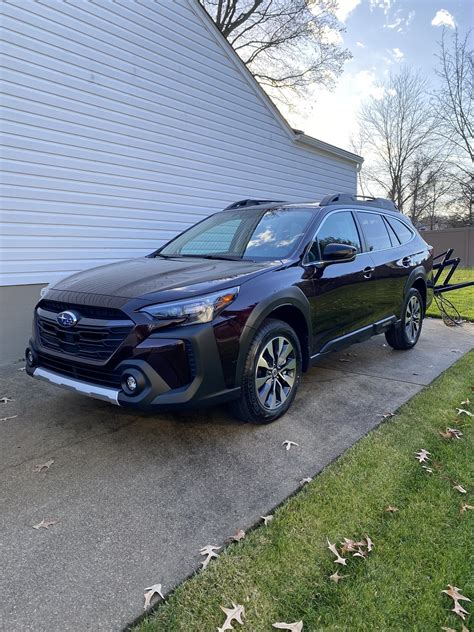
379, 377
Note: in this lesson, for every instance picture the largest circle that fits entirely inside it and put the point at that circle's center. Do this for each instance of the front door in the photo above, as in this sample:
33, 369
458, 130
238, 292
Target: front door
343, 292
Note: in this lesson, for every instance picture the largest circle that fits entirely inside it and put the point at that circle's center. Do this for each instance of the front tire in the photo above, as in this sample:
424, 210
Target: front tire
406, 335
271, 375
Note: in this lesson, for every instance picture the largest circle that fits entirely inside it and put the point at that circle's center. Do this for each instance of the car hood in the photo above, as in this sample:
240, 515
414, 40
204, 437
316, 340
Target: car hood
172, 278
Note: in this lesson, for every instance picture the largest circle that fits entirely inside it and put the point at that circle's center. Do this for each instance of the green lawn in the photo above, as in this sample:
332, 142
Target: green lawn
280, 572
463, 299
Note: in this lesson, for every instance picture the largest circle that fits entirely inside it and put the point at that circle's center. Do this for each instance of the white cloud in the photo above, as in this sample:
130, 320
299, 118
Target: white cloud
443, 18
401, 22
360, 45
381, 4
345, 8
398, 55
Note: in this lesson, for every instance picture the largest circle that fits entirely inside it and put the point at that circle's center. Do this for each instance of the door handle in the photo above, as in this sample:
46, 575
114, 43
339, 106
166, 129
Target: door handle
367, 272
406, 261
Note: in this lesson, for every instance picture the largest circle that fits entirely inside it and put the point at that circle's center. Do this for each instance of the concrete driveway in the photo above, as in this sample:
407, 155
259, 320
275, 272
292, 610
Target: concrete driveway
137, 496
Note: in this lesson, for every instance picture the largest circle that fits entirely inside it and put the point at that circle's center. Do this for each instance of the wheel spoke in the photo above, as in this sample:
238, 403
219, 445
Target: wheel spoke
260, 381
275, 372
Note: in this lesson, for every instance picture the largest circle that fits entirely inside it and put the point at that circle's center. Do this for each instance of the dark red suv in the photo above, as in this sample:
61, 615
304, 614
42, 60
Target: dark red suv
237, 307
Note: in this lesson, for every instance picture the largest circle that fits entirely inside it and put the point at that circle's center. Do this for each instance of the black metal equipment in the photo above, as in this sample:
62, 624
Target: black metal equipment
449, 313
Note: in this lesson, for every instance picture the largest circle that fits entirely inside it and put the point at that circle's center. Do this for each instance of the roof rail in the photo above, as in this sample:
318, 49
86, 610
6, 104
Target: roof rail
249, 202
363, 200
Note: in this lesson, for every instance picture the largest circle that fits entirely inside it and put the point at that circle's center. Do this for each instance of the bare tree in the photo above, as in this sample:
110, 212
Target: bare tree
286, 44
398, 134
454, 104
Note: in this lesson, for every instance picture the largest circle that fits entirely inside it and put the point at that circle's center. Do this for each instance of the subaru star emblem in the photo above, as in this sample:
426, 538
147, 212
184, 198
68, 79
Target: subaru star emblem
67, 319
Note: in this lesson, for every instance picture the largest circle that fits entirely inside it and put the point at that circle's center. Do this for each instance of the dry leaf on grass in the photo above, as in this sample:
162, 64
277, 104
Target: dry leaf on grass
456, 596
5, 400
466, 402
465, 507
391, 509
150, 593
462, 411
266, 519
336, 578
288, 444
339, 559
209, 550
422, 455
294, 627
370, 544
239, 535
388, 415
451, 433
303, 481
428, 469
232, 614
44, 466
7, 418
460, 489
45, 524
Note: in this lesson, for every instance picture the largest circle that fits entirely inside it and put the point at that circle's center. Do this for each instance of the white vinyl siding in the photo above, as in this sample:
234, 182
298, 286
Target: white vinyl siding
124, 123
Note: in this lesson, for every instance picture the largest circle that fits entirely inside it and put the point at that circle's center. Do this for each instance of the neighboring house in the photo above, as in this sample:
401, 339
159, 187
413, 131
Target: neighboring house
124, 123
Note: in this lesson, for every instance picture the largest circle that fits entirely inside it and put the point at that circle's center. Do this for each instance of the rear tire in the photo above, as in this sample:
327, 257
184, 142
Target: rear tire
407, 333
271, 375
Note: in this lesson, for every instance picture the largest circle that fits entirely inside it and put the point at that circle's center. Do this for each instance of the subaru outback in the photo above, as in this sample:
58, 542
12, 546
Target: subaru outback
236, 308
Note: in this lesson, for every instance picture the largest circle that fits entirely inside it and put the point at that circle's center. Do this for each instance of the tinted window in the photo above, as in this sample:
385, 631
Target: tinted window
393, 237
404, 234
243, 234
375, 231
338, 228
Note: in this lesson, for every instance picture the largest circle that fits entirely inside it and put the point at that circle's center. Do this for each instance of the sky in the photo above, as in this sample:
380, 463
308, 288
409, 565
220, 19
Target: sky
382, 35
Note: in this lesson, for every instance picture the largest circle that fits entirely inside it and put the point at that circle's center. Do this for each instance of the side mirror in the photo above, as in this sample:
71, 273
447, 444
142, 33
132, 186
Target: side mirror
338, 253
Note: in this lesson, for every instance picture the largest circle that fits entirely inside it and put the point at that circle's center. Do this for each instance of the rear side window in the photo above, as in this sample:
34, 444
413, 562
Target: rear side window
338, 228
402, 231
375, 231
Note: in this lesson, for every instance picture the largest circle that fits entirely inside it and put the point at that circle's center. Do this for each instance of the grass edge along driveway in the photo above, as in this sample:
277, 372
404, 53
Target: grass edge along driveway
280, 572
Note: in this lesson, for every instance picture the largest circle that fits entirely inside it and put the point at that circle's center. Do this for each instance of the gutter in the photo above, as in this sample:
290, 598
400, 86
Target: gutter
302, 138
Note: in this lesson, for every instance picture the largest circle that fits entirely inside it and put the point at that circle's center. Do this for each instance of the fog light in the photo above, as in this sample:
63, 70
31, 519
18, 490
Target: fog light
131, 383
30, 358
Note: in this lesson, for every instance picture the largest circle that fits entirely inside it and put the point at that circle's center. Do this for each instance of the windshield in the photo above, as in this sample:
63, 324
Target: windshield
242, 234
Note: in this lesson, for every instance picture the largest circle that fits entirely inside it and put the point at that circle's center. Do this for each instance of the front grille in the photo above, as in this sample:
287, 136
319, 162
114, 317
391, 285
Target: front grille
98, 333
85, 373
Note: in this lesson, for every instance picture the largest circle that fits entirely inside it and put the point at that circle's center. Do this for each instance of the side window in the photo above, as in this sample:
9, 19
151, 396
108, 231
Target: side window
402, 231
391, 232
215, 239
375, 231
338, 228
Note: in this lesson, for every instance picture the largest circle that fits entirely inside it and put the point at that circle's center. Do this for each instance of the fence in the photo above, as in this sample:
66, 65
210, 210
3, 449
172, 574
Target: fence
461, 239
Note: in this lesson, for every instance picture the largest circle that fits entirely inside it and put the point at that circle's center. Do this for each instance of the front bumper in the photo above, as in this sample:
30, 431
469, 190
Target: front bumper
151, 362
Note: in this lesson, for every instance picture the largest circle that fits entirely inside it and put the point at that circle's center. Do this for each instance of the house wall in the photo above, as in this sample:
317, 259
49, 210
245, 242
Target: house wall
124, 123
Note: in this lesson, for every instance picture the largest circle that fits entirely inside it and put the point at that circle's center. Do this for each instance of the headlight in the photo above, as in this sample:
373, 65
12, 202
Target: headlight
44, 290
202, 309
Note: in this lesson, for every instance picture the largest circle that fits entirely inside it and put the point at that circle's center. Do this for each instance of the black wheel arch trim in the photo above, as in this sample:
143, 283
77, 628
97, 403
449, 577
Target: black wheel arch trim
288, 297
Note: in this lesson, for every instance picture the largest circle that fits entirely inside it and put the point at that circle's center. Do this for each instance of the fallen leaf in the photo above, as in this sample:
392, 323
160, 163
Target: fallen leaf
22, 368
232, 614
459, 610
303, 481
209, 550
428, 469
456, 351
266, 519
451, 433
360, 553
45, 524
239, 535
466, 402
44, 466
462, 411
460, 489
333, 549
7, 418
466, 507
150, 593
448, 629
294, 627
370, 544
348, 546
336, 578
387, 415
391, 509
5, 400
422, 455
288, 444
454, 593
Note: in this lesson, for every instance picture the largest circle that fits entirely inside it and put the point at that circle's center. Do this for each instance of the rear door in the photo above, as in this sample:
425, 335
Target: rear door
342, 298
392, 260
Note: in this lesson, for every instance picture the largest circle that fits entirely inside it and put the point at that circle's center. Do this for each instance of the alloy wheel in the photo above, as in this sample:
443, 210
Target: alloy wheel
412, 319
275, 373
